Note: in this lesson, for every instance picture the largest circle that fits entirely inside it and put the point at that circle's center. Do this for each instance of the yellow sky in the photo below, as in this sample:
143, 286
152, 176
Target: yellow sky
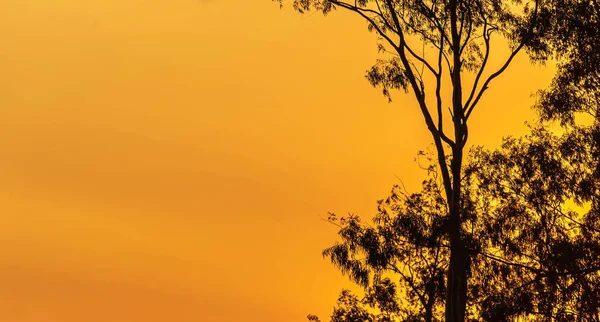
169, 160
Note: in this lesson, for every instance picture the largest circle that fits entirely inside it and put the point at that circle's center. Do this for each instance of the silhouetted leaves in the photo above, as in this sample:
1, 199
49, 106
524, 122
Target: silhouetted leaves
535, 254
389, 75
574, 36
406, 241
545, 252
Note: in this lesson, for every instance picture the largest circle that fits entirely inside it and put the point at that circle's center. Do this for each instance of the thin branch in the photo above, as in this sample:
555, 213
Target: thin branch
400, 48
410, 283
486, 38
428, 119
438, 95
433, 19
421, 59
469, 32
531, 269
361, 12
557, 209
469, 109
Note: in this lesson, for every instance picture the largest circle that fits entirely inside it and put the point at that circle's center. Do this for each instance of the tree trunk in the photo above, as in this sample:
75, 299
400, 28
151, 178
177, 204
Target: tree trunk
456, 284
456, 287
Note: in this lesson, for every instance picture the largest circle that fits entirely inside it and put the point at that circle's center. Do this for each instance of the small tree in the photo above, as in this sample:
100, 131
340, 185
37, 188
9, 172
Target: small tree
460, 33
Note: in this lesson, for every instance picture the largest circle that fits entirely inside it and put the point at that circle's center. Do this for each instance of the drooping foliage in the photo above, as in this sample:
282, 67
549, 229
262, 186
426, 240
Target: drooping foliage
405, 241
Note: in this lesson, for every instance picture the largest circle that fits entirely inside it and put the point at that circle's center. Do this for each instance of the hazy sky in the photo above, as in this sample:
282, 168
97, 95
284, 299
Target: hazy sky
169, 160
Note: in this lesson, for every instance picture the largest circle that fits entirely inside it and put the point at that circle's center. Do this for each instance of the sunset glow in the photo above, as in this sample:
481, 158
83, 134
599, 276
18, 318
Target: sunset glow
172, 160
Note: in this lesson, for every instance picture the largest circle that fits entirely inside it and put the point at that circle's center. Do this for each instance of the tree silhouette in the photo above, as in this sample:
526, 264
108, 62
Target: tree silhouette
534, 240
460, 33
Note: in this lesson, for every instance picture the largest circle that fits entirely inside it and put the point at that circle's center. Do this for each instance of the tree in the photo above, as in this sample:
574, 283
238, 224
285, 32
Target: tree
460, 33
536, 256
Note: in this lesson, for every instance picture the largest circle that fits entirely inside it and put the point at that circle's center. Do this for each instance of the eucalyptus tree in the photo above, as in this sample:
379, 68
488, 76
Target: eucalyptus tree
459, 35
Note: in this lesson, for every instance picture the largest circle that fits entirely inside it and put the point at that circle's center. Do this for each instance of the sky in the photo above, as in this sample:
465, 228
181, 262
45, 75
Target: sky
172, 160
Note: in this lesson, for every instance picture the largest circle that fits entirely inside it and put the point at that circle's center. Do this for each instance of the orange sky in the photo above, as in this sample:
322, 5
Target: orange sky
169, 160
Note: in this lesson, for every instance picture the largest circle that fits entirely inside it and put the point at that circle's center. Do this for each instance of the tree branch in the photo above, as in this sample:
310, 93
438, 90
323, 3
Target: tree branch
469, 109
423, 106
438, 95
486, 39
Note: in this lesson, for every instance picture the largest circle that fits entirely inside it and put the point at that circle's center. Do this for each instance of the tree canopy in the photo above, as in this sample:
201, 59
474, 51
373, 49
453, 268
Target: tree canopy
529, 225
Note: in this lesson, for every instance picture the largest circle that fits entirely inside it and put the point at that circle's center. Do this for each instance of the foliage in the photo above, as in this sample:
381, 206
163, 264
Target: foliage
575, 30
406, 241
540, 236
532, 225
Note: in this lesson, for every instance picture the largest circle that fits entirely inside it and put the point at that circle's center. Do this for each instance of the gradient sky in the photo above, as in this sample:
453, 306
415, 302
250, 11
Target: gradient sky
170, 160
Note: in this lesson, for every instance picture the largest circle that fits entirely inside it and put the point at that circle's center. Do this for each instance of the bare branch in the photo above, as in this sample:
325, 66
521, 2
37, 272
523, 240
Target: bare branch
421, 59
469, 109
486, 37
423, 106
